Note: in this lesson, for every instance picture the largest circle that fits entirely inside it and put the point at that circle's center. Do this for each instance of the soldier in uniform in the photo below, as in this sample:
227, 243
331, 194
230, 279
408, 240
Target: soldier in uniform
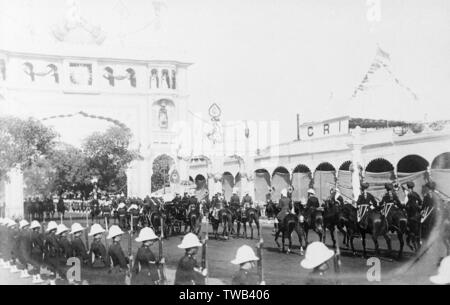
311, 204
51, 251
390, 197
316, 258
336, 197
247, 201
37, 251
145, 263
235, 201
246, 259
64, 250
189, 271
24, 247
122, 214
78, 247
13, 236
284, 205
119, 260
98, 258
366, 198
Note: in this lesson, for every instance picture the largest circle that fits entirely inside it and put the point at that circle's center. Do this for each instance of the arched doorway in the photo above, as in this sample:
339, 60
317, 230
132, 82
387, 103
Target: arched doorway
161, 170
378, 172
227, 185
440, 172
344, 181
301, 181
324, 180
280, 180
412, 168
262, 185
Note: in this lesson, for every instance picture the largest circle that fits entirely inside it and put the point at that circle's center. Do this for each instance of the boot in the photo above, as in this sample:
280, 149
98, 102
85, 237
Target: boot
24, 274
37, 279
14, 269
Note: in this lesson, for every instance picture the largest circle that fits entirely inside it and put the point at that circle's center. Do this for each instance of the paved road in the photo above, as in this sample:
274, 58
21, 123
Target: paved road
281, 268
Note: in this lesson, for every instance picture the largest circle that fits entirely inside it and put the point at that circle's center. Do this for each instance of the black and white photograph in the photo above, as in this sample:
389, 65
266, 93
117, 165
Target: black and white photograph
231, 143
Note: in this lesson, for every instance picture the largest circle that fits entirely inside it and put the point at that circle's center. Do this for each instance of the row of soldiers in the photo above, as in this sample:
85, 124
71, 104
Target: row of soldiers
413, 203
29, 249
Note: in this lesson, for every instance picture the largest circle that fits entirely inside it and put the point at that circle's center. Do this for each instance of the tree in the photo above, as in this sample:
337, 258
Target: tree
23, 142
161, 167
108, 157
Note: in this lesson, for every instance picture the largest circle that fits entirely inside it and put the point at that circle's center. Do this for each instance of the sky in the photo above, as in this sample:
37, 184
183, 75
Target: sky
271, 59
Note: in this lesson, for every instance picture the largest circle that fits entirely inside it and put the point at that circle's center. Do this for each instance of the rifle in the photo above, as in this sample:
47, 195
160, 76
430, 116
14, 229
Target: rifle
130, 254
337, 259
204, 248
161, 256
107, 229
260, 261
86, 234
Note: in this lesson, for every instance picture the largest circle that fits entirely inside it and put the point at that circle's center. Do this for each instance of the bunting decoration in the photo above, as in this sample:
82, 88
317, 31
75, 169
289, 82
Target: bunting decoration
381, 61
82, 113
52, 71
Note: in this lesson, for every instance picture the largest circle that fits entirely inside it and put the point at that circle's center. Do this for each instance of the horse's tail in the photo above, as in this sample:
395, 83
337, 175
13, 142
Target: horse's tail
318, 223
377, 227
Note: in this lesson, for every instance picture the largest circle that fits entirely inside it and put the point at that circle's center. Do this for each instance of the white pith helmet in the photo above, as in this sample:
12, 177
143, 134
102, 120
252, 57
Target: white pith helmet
316, 254
244, 254
114, 231
190, 240
146, 234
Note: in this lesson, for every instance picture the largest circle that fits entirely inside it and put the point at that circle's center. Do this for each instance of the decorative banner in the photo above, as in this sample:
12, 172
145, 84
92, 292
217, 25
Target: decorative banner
174, 177
382, 59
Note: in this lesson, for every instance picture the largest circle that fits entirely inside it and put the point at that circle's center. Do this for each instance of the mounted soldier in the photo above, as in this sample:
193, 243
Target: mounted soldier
122, 214
390, 197
284, 205
134, 212
235, 201
336, 197
365, 199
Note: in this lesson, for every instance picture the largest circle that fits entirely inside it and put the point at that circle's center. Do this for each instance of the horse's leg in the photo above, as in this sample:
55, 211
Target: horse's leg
250, 224
257, 227
298, 230
388, 243
282, 241
238, 228
402, 243
363, 238
277, 234
375, 242
245, 229
332, 236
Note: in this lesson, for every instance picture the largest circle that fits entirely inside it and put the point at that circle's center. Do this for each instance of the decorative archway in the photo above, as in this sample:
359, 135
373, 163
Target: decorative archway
378, 172
262, 184
161, 166
344, 179
324, 180
412, 168
440, 172
280, 180
227, 185
301, 181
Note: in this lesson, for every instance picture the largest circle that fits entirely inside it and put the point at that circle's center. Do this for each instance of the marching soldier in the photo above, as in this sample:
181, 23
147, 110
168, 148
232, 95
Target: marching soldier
51, 251
24, 247
9, 252
37, 251
246, 259
390, 197
316, 258
78, 247
119, 260
64, 250
98, 257
145, 263
189, 271
14, 234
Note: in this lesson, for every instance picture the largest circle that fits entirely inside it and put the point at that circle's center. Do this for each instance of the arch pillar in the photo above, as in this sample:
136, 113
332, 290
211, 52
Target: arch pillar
356, 147
14, 194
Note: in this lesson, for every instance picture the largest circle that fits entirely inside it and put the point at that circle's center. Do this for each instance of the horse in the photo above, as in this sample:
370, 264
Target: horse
332, 220
271, 210
314, 221
413, 239
95, 209
194, 219
226, 219
250, 215
376, 226
290, 224
397, 223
